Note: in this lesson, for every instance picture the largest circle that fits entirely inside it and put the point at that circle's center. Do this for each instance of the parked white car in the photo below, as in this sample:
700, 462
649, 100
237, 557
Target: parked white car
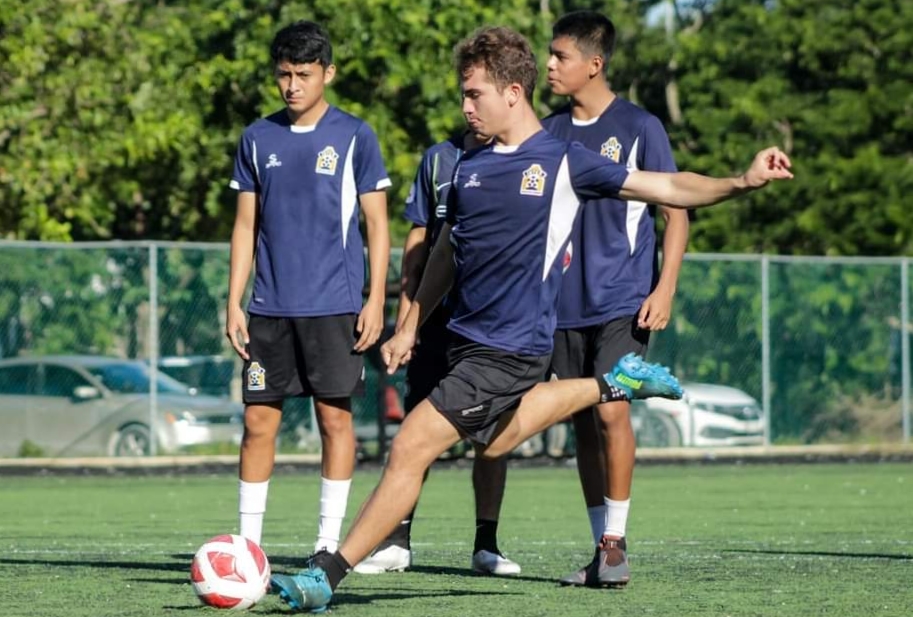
707, 415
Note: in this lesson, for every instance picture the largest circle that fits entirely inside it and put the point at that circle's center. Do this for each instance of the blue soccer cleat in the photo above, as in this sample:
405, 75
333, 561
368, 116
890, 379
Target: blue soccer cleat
638, 378
308, 590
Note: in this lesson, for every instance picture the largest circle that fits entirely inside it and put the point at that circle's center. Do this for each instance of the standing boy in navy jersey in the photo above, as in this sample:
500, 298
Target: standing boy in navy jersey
613, 294
302, 174
509, 217
426, 209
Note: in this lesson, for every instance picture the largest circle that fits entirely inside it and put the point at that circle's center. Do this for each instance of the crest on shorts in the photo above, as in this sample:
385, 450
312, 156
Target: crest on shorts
533, 180
256, 377
326, 161
611, 149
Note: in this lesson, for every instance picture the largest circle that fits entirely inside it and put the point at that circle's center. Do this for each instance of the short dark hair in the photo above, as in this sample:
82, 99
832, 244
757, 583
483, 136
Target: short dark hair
592, 32
504, 54
302, 42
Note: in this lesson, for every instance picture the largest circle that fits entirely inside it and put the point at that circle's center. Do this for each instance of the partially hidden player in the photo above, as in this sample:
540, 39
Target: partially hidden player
613, 293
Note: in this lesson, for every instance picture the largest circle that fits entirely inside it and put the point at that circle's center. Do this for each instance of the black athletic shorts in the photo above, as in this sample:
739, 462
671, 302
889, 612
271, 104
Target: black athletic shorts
593, 350
429, 363
483, 383
302, 356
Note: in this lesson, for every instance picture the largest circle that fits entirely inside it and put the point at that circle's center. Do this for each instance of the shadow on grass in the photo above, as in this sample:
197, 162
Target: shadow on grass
291, 565
823, 554
350, 599
183, 566
278, 563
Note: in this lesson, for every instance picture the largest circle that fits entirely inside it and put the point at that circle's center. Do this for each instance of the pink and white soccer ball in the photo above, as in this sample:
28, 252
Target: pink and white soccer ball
230, 572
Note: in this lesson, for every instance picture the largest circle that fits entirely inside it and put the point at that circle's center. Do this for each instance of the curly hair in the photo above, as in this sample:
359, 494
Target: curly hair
504, 54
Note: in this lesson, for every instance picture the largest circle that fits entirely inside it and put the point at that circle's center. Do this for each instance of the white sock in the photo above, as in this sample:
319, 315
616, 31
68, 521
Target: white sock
597, 516
616, 518
334, 496
251, 506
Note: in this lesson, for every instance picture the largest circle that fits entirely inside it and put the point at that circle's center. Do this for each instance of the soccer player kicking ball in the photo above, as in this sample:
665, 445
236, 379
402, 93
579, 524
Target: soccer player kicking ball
426, 210
510, 213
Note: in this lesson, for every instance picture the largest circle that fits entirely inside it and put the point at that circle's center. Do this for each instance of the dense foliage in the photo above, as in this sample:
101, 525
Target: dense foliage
120, 119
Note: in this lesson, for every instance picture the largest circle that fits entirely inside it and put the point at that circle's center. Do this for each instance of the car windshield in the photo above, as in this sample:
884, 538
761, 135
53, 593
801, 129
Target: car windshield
133, 378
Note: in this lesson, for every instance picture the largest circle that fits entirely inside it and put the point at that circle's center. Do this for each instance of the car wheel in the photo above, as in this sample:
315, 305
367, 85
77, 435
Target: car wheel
658, 430
131, 440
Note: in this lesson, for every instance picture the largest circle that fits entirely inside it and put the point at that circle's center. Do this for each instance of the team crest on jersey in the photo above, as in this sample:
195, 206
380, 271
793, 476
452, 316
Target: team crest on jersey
256, 377
533, 181
326, 161
611, 149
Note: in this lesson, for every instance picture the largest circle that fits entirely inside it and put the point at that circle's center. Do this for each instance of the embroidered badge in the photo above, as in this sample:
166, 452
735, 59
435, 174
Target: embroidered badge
611, 149
533, 181
256, 377
326, 161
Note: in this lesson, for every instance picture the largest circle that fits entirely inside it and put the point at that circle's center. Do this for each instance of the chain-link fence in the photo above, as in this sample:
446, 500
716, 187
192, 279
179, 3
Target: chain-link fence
820, 346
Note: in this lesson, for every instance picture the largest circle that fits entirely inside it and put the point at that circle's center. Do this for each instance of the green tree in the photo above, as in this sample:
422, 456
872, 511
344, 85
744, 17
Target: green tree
831, 83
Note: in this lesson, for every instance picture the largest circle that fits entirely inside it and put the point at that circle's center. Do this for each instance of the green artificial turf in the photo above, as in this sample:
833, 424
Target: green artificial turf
803, 540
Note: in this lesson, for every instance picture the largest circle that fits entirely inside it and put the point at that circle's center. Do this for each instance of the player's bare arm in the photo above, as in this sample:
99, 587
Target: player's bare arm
656, 310
690, 190
435, 283
371, 319
241, 262
415, 255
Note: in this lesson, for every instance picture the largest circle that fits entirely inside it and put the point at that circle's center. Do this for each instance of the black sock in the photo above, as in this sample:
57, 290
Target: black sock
334, 565
609, 393
486, 536
402, 535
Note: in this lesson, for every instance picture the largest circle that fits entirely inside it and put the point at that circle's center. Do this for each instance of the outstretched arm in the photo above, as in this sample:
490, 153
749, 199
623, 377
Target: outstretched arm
436, 282
690, 190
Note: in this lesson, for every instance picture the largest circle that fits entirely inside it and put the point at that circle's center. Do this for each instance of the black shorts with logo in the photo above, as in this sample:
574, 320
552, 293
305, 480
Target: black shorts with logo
483, 383
593, 350
302, 356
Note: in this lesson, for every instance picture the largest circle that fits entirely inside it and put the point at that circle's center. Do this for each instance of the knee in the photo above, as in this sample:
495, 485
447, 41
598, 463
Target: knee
613, 415
406, 456
260, 423
492, 451
336, 424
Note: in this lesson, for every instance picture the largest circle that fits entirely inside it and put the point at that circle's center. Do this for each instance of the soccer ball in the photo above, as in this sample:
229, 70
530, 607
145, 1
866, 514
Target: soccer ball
230, 572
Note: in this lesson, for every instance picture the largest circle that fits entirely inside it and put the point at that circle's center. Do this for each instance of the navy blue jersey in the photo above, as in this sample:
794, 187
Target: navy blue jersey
309, 250
426, 205
612, 255
511, 211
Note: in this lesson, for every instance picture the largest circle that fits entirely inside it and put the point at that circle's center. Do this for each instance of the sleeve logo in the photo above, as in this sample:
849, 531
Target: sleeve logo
326, 161
533, 181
